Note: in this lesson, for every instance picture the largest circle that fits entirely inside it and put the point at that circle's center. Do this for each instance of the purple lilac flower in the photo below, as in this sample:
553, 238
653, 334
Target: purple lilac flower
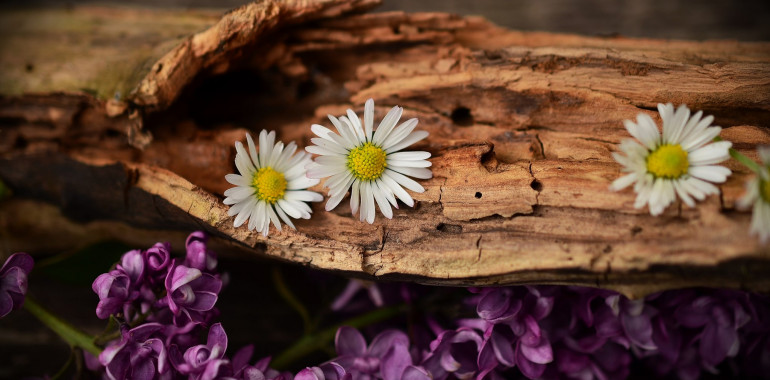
114, 291
388, 354
157, 260
190, 293
327, 371
204, 361
259, 371
454, 352
139, 354
13, 281
353, 287
198, 255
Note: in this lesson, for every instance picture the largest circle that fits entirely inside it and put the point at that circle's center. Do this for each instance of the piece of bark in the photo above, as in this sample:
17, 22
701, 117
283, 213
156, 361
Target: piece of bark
522, 130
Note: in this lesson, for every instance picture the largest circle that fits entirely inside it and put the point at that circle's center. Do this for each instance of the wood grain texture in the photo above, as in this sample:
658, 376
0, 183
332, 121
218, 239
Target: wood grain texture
522, 127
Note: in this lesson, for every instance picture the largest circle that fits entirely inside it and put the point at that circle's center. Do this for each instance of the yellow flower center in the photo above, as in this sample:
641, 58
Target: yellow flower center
270, 184
764, 190
367, 162
668, 161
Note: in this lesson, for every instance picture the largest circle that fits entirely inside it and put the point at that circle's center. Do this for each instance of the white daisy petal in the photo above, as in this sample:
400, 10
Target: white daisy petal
387, 125
420, 173
400, 132
397, 190
245, 212
342, 187
408, 140
382, 203
238, 207
346, 136
387, 192
404, 181
334, 200
282, 162
237, 180
320, 171
623, 182
369, 119
695, 131
367, 210
683, 194
711, 173
283, 216
752, 194
258, 217
299, 183
303, 196
277, 150
242, 161
710, 154
266, 141
675, 128
409, 164
356, 123
409, 156
252, 151
273, 217
240, 192
695, 142
355, 196
322, 132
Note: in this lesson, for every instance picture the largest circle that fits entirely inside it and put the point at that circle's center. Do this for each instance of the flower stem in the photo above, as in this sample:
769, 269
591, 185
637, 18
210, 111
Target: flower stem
66, 331
310, 343
288, 296
747, 162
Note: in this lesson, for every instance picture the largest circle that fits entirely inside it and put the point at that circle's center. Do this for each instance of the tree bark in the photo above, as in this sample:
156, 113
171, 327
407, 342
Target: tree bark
522, 126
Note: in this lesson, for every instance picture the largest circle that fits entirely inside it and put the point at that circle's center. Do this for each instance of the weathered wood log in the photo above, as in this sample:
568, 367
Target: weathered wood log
522, 129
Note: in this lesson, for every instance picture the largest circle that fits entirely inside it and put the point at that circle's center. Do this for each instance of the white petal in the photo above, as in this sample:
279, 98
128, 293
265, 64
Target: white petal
409, 156
331, 160
690, 188
300, 183
329, 145
400, 132
409, 164
236, 208
244, 213
409, 140
355, 196
242, 160
289, 208
676, 125
322, 171
351, 132
648, 129
387, 192
283, 216
683, 194
696, 130
273, 217
334, 200
277, 150
404, 181
386, 125
240, 192
252, 151
237, 180
397, 190
282, 163
420, 173
624, 181
303, 196
710, 154
658, 197
752, 194
369, 119
694, 142
348, 139
356, 124
711, 173
764, 154
706, 188
367, 200
382, 203
258, 217
337, 179
266, 143
342, 187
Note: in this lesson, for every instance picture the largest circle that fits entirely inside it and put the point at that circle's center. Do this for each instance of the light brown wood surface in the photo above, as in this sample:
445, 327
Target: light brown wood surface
522, 127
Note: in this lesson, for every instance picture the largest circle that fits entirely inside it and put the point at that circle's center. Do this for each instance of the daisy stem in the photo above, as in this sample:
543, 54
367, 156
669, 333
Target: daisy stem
70, 334
747, 162
310, 343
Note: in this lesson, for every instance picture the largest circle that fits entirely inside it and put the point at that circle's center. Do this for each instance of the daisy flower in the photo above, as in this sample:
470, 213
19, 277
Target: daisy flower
271, 184
680, 162
758, 198
368, 161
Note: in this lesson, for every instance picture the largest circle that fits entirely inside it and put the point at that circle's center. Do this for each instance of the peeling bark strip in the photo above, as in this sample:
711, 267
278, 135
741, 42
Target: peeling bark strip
522, 130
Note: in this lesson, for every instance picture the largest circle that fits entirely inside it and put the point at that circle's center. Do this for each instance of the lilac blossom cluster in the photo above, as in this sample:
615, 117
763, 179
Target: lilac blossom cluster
13, 281
163, 304
537, 332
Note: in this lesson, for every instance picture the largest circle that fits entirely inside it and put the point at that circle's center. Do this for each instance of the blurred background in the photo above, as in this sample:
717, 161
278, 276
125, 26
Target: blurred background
746, 20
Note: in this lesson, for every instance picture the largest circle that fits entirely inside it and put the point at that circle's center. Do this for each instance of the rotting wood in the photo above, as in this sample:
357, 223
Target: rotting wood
522, 129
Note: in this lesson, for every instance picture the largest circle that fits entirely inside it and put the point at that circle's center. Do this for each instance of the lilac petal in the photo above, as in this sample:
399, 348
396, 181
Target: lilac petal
349, 341
108, 306
217, 337
583, 308
486, 359
6, 304
668, 340
118, 367
542, 307
251, 373
695, 314
415, 373
586, 344
716, 341
309, 373
395, 361
142, 332
503, 349
347, 294
493, 305
528, 368
639, 330
568, 361
448, 363
540, 353
207, 283
204, 301
19, 260
333, 371
182, 275
242, 357
385, 340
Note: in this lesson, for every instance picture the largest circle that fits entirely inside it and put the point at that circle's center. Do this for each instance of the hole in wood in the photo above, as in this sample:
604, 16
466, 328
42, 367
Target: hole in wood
536, 185
478, 195
450, 228
462, 116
